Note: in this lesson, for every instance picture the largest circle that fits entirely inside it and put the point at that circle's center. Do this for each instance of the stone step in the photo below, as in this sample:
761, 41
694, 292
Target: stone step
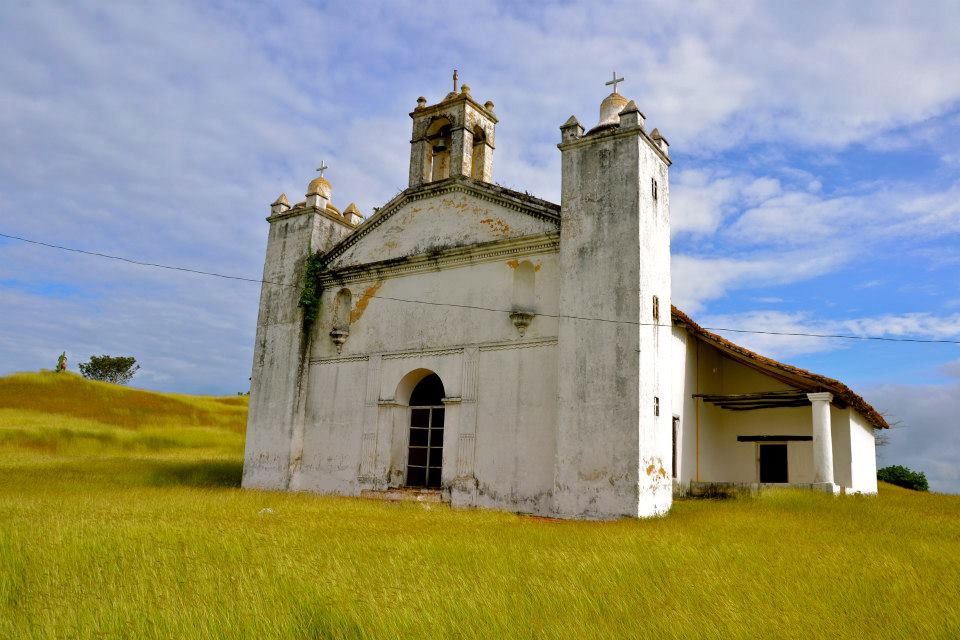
415, 495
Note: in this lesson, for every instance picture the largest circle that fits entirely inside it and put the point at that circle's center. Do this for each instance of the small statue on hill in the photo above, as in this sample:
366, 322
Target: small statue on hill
62, 362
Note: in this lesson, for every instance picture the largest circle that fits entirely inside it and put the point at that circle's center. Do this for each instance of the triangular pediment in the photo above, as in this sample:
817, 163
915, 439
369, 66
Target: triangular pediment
443, 215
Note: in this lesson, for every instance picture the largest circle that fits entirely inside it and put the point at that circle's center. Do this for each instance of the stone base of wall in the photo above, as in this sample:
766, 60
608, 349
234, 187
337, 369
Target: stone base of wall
415, 495
738, 489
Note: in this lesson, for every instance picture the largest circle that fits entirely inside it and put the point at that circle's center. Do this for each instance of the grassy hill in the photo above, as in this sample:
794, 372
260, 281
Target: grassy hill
120, 518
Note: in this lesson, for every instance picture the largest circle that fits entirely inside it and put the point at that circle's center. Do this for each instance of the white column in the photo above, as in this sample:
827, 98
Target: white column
822, 439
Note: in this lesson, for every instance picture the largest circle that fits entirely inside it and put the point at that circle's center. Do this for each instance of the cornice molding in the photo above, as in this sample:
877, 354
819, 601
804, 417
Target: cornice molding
446, 351
446, 259
615, 134
543, 342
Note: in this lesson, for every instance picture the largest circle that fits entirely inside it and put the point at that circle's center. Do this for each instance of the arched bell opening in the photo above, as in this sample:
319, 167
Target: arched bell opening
439, 137
425, 442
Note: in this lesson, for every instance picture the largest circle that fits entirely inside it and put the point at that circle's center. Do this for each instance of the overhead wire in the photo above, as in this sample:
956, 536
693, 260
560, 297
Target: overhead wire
477, 307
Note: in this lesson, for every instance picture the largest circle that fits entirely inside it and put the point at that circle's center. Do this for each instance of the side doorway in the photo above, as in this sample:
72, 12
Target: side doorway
772, 461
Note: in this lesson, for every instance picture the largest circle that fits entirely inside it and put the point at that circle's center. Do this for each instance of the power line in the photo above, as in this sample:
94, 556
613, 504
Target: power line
654, 324
137, 262
479, 308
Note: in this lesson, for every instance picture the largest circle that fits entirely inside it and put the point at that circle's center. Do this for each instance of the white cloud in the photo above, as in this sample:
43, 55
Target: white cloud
696, 280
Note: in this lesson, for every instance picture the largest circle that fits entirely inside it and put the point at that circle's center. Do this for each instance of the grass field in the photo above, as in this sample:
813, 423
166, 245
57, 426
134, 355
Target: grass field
120, 517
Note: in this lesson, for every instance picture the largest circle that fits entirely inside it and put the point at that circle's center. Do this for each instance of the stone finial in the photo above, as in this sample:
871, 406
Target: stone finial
280, 205
571, 129
630, 116
658, 138
421, 103
488, 105
352, 214
465, 89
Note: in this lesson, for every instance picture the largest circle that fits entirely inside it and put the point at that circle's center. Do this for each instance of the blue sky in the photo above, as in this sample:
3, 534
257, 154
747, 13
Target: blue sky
815, 185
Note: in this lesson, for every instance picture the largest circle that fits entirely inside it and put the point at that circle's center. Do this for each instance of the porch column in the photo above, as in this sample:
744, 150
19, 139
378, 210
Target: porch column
822, 440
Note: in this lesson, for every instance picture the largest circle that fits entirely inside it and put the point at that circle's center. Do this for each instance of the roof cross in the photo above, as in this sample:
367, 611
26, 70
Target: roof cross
323, 167
614, 81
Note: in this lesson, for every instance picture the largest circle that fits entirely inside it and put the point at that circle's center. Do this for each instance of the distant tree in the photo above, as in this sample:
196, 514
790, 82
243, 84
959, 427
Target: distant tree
62, 362
904, 477
115, 369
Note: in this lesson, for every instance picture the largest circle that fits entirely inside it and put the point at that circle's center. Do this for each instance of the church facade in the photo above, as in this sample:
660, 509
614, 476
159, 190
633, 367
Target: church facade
497, 350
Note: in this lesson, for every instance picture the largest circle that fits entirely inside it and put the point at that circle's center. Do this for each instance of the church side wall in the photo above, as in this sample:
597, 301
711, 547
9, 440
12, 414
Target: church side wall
863, 454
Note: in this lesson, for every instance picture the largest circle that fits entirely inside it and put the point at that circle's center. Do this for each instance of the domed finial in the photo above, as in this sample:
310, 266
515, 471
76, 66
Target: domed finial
421, 103
488, 105
465, 89
319, 188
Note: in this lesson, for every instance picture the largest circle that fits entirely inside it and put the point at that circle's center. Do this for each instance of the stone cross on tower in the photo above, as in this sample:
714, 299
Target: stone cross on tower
614, 81
323, 167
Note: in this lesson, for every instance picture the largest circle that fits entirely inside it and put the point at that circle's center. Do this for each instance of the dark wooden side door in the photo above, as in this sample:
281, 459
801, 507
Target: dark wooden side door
773, 463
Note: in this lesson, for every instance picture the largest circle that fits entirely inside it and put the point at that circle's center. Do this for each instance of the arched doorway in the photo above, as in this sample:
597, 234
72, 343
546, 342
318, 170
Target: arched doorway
425, 447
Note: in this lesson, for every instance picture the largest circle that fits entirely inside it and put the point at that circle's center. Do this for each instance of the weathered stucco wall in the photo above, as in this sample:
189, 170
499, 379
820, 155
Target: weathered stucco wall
452, 219
276, 403
407, 321
613, 450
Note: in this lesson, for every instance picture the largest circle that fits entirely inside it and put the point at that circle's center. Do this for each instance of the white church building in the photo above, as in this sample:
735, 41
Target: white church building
478, 345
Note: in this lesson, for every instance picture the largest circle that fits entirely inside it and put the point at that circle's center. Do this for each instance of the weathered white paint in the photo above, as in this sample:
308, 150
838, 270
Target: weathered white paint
540, 322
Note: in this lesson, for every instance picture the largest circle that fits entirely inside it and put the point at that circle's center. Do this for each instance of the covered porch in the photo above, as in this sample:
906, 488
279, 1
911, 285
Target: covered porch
743, 422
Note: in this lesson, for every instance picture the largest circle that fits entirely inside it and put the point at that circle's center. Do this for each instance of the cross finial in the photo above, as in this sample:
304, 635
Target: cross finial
454, 80
323, 167
614, 81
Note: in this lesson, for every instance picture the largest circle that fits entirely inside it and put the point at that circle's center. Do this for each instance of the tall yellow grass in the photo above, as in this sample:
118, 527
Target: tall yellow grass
109, 541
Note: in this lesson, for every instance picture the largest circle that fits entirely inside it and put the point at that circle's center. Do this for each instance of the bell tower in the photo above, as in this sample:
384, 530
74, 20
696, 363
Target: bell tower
454, 137
614, 419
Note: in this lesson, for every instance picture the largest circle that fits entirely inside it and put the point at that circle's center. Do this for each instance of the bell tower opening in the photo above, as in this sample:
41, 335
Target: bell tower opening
438, 158
454, 137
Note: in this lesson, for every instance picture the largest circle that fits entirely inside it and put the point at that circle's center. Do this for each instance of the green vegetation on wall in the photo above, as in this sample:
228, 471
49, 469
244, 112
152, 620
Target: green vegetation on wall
310, 289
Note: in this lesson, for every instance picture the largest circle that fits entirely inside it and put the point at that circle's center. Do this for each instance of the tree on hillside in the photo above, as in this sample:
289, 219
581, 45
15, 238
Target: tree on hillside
115, 369
904, 477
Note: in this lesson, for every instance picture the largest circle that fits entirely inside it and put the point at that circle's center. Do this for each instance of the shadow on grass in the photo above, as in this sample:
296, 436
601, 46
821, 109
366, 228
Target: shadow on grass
206, 473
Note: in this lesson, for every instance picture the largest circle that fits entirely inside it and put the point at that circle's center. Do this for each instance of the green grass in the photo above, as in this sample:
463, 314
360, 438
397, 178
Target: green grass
120, 518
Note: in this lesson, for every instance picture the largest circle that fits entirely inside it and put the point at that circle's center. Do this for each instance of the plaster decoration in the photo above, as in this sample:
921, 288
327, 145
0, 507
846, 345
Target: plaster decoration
521, 320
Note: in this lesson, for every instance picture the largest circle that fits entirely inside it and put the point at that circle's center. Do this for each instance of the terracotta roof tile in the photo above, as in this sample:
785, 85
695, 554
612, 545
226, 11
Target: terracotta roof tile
822, 383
